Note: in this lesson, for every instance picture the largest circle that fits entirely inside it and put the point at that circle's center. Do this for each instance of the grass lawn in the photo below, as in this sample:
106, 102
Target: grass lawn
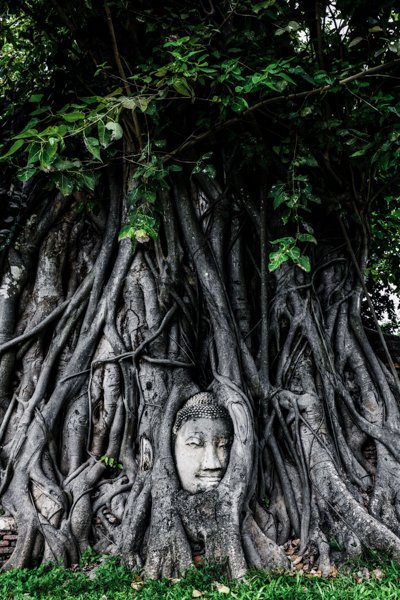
377, 579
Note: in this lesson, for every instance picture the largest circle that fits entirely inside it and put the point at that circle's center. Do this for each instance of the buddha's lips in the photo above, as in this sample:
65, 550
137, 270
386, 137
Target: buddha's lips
210, 478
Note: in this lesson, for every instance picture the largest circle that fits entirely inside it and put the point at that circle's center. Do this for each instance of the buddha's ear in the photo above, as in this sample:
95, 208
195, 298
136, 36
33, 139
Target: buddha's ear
146, 454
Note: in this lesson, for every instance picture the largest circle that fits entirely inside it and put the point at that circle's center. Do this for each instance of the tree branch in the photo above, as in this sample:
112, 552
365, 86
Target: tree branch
121, 71
192, 140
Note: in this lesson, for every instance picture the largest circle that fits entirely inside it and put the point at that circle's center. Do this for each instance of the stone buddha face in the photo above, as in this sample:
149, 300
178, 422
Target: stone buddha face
203, 435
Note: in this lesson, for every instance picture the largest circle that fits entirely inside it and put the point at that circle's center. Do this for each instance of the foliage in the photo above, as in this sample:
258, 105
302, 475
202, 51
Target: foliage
190, 76
49, 141
108, 579
24, 54
383, 276
110, 461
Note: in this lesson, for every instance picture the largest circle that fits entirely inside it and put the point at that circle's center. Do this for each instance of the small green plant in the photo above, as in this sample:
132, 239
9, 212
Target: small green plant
266, 502
141, 227
292, 198
335, 545
109, 461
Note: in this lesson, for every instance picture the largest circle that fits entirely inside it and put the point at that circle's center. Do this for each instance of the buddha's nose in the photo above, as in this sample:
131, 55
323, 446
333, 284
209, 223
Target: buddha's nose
211, 460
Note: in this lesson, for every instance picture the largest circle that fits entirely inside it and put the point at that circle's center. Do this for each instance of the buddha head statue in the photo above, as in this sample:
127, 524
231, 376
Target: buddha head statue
202, 437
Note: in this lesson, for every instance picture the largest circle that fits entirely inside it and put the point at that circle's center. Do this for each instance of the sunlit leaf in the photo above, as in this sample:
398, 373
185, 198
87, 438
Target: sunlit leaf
306, 237
355, 41
276, 259
116, 130
304, 263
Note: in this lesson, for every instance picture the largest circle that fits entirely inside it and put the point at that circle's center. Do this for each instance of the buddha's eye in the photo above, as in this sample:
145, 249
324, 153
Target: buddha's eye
224, 443
194, 443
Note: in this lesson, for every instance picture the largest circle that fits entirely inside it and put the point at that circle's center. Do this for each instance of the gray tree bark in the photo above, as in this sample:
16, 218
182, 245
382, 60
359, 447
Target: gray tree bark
101, 346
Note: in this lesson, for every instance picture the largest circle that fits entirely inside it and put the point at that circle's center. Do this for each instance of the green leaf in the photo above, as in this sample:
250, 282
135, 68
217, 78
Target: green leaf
27, 173
51, 131
40, 111
133, 102
67, 165
258, 7
101, 132
239, 104
304, 263
142, 235
73, 116
276, 259
307, 110
127, 232
116, 130
132, 195
161, 72
129, 102
150, 196
176, 43
65, 184
354, 42
358, 153
294, 253
35, 98
182, 87
176, 168
280, 199
293, 26
284, 242
14, 148
90, 99
26, 133
92, 144
306, 237
87, 180
286, 77
49, 152
143, 102
34, 152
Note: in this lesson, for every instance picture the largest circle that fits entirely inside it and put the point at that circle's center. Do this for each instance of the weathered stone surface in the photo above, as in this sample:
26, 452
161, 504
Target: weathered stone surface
7, 524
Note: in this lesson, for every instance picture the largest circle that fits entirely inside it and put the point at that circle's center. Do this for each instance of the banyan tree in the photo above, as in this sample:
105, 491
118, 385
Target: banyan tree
197, 197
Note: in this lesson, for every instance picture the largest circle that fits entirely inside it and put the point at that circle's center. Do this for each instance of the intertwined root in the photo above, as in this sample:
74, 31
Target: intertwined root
99, 349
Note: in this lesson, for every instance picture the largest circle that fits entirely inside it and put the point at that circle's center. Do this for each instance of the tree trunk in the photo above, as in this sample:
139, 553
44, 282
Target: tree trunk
101, 346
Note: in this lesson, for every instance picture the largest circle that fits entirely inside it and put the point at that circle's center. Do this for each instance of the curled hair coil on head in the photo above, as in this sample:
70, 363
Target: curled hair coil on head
202, 405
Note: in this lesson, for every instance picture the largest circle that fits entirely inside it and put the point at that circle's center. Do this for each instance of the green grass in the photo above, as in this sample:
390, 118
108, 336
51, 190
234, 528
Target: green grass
113, 582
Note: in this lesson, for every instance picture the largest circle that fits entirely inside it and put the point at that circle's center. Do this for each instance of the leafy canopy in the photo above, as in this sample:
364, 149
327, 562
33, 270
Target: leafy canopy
303, 96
